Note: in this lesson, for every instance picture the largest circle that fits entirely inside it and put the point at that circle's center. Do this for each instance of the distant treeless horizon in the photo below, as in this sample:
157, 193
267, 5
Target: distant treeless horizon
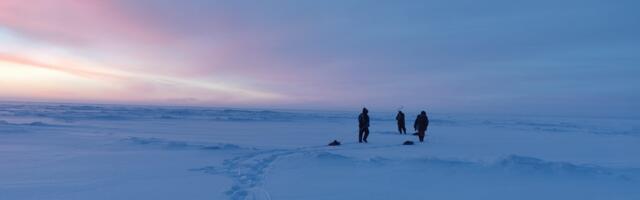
543, 58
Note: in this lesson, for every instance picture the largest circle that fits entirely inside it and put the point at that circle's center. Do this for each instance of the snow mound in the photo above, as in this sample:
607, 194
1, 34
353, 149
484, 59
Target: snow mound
553, 125
35, 123
38, 124
169, 144
530, 166
75, 113
449, 163
526, 164
331, 156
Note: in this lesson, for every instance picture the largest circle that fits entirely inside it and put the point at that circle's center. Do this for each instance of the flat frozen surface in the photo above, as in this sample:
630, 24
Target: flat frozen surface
52, 151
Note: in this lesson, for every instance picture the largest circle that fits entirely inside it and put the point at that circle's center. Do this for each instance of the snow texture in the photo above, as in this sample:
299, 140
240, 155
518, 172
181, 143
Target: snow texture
67, 151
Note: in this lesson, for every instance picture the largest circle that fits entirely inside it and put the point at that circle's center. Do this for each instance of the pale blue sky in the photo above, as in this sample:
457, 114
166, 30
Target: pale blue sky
496, 56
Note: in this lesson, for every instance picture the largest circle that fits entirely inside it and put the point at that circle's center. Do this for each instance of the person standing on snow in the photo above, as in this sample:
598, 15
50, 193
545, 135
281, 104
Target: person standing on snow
421, 124
415, 125
363, 124
400, 119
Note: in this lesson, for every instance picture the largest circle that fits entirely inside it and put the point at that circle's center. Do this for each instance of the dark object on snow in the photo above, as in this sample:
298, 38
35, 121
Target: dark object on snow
363, 124
408, 142
421, 124
416, 133
400, 118
334, 143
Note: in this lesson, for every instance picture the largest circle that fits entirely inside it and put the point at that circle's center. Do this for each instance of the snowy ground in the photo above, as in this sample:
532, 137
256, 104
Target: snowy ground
51, 151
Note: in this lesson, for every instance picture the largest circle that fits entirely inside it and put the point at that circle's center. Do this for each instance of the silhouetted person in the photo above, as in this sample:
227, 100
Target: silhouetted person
400, 119
421, 124
363, 124
415, 125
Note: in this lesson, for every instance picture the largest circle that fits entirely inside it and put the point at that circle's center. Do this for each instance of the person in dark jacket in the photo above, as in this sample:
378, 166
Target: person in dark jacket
363, 124
400, 119
415, 125
421, 124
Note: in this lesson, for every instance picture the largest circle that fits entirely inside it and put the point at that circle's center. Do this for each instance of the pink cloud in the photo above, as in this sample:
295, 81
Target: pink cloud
79, 22
138, 54
65, 67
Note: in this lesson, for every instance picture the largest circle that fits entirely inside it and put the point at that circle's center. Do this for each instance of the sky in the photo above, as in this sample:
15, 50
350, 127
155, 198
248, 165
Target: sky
544, 57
